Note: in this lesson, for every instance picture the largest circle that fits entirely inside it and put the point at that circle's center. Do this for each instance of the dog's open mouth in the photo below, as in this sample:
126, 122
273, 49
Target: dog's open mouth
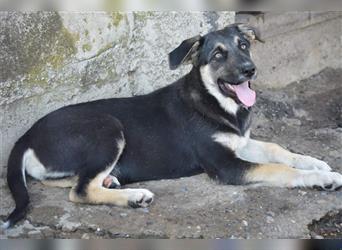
242, 91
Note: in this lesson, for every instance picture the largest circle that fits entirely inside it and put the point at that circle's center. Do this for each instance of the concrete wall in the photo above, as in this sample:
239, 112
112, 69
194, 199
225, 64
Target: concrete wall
49, 60
298, 45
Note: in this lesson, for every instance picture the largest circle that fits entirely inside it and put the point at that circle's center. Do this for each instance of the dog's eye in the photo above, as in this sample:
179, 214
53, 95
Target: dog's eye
218, 55
243, 46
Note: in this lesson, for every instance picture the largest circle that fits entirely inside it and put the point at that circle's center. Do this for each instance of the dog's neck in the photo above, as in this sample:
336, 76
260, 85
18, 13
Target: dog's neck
198, 97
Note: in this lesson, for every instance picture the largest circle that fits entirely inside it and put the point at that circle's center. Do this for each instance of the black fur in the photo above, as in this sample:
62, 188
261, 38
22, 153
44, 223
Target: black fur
16, 182
167, 134
184, 52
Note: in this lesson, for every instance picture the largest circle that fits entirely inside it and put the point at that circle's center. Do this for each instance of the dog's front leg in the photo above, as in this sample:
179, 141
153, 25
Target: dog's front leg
265, 152
223, 166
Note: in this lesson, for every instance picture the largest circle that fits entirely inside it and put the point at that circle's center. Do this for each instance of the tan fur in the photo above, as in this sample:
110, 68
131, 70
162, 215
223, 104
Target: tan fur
101, 195
275, 149
62, 183
265, 152
95, 193
278, 154
272, 174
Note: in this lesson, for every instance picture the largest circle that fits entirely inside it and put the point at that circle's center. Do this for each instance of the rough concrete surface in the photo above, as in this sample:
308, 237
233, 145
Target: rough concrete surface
305, 117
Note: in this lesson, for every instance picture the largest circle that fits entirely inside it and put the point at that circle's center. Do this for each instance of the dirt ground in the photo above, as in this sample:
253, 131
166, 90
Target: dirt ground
305, 117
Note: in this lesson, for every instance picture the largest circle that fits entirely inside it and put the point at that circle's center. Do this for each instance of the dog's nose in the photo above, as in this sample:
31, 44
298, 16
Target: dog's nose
248, 69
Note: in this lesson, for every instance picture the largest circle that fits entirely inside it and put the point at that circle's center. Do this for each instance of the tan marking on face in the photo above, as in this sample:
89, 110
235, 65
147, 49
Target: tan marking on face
236, 40
221, 46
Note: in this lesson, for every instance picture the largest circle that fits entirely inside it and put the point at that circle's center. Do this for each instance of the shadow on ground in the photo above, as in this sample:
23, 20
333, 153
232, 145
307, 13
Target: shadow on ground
305, 117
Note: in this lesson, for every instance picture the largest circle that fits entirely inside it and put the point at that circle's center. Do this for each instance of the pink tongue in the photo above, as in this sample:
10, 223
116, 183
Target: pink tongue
246, 95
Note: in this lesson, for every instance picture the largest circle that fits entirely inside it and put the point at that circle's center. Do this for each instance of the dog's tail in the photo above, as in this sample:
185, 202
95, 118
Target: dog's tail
17, 183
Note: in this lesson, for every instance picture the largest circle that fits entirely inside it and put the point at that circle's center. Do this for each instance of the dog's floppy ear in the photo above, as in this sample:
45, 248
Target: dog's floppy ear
185, 52
251, 33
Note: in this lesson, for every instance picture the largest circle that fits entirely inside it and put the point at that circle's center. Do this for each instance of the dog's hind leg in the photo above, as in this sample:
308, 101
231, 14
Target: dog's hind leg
95, 193
90, 189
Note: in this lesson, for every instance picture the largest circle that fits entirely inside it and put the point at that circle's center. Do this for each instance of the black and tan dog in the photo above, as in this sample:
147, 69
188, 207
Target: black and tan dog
199, 123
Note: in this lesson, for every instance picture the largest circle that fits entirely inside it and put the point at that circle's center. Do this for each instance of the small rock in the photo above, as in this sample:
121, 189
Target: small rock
3, 237
34, 235
85, 236
144, 209
245, 223
99, 232
270, 213
301, 192
69, 227
269, 219
48, 233
149, 222
316, 236
123, 215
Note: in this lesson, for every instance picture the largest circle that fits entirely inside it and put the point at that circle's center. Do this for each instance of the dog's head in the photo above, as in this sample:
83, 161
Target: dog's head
224, 61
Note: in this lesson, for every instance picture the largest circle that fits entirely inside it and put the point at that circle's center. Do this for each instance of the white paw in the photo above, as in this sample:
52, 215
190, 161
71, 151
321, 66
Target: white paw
322, 179
139, 197
310, 163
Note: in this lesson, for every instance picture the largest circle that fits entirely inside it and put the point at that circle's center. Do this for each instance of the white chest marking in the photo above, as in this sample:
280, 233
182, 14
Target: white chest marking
231, 141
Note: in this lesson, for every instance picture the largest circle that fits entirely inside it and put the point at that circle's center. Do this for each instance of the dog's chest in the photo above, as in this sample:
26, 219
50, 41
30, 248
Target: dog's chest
231, 141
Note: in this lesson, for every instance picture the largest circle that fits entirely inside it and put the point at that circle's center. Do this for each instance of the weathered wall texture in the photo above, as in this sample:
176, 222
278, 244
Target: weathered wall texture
49, 60
298, 45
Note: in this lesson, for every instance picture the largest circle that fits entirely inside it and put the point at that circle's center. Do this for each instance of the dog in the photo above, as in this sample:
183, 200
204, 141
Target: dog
200, 123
